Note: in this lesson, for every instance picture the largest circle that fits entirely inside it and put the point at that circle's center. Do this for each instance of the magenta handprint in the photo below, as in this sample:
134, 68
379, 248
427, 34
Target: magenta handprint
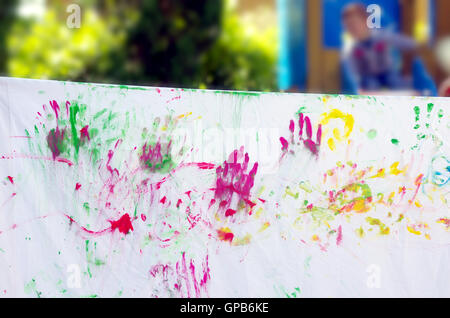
233, 182
304, 125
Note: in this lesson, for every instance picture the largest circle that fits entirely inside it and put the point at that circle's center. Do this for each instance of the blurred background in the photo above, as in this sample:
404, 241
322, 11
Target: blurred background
257, 45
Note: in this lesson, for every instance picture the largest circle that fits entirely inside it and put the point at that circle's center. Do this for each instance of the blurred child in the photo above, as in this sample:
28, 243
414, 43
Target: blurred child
443, 58
444, 89
370, 61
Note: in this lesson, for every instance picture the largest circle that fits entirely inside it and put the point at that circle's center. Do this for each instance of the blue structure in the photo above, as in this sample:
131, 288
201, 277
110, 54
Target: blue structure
292, 65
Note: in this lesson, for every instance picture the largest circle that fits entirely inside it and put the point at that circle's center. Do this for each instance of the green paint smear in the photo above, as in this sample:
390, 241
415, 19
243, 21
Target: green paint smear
395, 141
371, 134
417, 111
31, 288
384, 230
240, 93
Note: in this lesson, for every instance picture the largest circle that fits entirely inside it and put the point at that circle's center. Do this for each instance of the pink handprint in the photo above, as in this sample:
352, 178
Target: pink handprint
304, 123
233, 182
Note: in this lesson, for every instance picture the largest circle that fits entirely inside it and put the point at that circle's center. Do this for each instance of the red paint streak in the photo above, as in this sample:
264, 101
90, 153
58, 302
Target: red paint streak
250, 203
123, 224
179, 202
445, 221
192, 219
230, 212
291, 126
188, 193
300, 124
67, 108
186, 277
160, 269
14, 156
194, 279
225, 236
11, 179
418, 183
284, 144
84, 134
77, 186
85, 229
64, 160
206, 275
174, 98
143, 217
163, 200
308, 126
200, 165
339, 236
108, 164
54, 105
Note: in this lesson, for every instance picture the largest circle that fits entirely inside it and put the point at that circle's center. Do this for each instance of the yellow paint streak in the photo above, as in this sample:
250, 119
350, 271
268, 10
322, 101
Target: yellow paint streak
348, 120
331, 144
380, 174
264, 227
242, 241
394, 169
360, 206
337, 134
360, 232
413, 230
184, 115
290, 193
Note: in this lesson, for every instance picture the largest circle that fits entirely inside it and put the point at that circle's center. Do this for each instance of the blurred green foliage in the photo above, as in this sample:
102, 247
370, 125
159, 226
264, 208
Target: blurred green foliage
243, 57
190, 43
170, 38
7, 10
49, 49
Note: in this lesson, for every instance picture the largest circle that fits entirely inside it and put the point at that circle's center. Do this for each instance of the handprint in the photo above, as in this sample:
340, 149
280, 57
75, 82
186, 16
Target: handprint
304, 123
233, 184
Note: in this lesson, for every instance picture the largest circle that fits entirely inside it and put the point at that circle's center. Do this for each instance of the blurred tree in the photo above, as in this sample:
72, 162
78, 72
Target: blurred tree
49, 49
189, 43
245, 55
167, 43
7, 14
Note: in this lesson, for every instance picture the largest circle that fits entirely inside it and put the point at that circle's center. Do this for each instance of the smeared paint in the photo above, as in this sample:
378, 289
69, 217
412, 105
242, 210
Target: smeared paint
123, 224
339, 236
233, 181
225, 234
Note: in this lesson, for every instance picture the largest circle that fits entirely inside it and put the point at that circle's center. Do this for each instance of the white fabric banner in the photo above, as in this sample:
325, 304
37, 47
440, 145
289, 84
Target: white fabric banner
118, 191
